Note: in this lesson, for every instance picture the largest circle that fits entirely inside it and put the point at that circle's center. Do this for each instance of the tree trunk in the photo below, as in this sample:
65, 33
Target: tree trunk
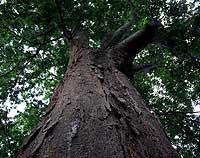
97, 113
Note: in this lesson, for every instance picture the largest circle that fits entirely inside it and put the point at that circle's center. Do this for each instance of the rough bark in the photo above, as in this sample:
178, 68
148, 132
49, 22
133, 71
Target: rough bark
97, 113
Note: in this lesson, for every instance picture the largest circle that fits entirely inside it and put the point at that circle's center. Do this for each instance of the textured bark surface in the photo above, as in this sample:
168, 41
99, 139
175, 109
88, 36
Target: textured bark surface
97, 113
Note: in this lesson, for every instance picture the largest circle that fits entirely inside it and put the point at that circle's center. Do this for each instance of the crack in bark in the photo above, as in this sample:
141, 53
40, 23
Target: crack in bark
45, 131
49, 110
72, 135
31, 138
135, 104
115, 112
120, 101
122, 139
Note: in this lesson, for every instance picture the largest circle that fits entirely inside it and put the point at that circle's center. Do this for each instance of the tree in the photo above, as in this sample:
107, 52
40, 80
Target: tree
95, 111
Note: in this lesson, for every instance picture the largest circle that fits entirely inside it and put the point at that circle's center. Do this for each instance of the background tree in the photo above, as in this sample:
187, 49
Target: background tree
32, 60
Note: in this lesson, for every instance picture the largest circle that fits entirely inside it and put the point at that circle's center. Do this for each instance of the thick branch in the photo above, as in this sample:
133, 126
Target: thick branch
120, 32
137, 41
126, 50
66, 33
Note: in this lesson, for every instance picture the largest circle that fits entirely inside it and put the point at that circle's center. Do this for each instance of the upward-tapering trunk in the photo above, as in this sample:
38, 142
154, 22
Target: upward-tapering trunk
96, 112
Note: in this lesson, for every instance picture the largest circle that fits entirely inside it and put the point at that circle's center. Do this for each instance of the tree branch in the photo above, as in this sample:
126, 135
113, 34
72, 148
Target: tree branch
66, 33
120, 32
40, 34
178, 112
190, 56
126, 50
11, 70
196, 121
171, 43
46, 31
147, 67
138, 40
52, 40
28, 59
182, 113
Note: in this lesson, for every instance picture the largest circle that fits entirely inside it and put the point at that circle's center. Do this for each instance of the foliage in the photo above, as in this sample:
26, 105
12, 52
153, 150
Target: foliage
34, 57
